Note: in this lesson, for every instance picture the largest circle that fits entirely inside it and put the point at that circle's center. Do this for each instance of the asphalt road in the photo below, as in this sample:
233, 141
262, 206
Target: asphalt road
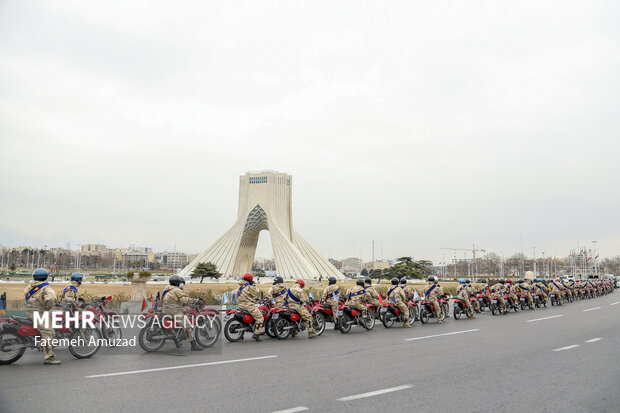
547, 360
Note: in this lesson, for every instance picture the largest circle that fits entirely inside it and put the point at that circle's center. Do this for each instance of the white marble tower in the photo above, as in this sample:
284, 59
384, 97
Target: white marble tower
265, 204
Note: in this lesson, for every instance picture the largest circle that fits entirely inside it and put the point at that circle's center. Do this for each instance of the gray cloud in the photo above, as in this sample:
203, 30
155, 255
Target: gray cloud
419, 125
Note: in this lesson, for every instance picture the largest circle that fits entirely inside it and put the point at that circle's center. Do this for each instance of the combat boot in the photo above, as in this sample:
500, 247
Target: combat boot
406, 325
256, 337
51, 362
439, 321
195, 346
312, 334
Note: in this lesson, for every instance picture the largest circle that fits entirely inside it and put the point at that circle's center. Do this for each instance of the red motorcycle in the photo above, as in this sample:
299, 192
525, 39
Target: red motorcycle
390, 313
287, 322
483, 301
323, 314
240, 321
109, 320
210, 328
159, 328
460, 308
18, 334
349, 316
427, 310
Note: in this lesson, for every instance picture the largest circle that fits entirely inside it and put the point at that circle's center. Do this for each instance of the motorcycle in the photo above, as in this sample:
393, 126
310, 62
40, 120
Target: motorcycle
427, 310
159, 328
483, 301
209, 330
287, 322
510, 303
555, 298
349, 316
240, 321
496, 306
18, 334
539, 300
460, 308
524, 302
322, 314
390, 313
110, 329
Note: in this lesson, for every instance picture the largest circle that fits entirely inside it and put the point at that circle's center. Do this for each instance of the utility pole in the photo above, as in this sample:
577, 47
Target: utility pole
534, 266
595, 258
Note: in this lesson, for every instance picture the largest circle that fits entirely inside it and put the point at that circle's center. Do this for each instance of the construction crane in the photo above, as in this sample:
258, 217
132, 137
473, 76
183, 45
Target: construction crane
473, 249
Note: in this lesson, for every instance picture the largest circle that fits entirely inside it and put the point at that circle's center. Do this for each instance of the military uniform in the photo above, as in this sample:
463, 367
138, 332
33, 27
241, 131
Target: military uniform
526, 290
297, 298
247, 296
510, 290
70, 292
540, 288
278, 293
557, 289
330, 297
372, 297
431, 292
463, 293
498, 292
173, 300
472, 293
40, 298
355, 295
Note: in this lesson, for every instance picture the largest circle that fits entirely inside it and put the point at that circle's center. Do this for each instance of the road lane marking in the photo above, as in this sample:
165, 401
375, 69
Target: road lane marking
293, 410
590, 309
617, 302
444, 334
375, 393
544, 318
566, 348
593, 340
186, 366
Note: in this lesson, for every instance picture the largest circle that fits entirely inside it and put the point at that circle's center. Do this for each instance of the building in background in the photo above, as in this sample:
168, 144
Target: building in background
93, 249
352, 263
171, 259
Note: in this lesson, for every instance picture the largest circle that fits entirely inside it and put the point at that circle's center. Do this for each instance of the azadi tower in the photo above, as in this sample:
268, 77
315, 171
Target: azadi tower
265, 203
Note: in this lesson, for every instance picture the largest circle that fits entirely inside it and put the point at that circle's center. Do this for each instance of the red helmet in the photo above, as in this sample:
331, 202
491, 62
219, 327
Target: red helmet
248, 277
509, 281
301, 283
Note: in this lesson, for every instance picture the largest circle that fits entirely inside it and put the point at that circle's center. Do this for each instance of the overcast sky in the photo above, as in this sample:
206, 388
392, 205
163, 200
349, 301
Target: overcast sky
420, 125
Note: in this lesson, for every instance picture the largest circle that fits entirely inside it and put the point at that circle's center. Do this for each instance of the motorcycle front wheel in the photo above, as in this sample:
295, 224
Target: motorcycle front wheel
457, 313
85, 342
369, 321
206, 335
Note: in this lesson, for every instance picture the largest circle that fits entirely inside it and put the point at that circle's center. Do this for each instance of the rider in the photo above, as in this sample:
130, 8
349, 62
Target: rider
431, 292
510, 290
355, 295
70, 292
278, 292
485, 290
409, 292
556, 287
331, 297
526, 289
247, 295
40, 298
463, 294
540, 288
297, 299
472, 293
173, 300
397, 295
568, 288
498, 292
372, 294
